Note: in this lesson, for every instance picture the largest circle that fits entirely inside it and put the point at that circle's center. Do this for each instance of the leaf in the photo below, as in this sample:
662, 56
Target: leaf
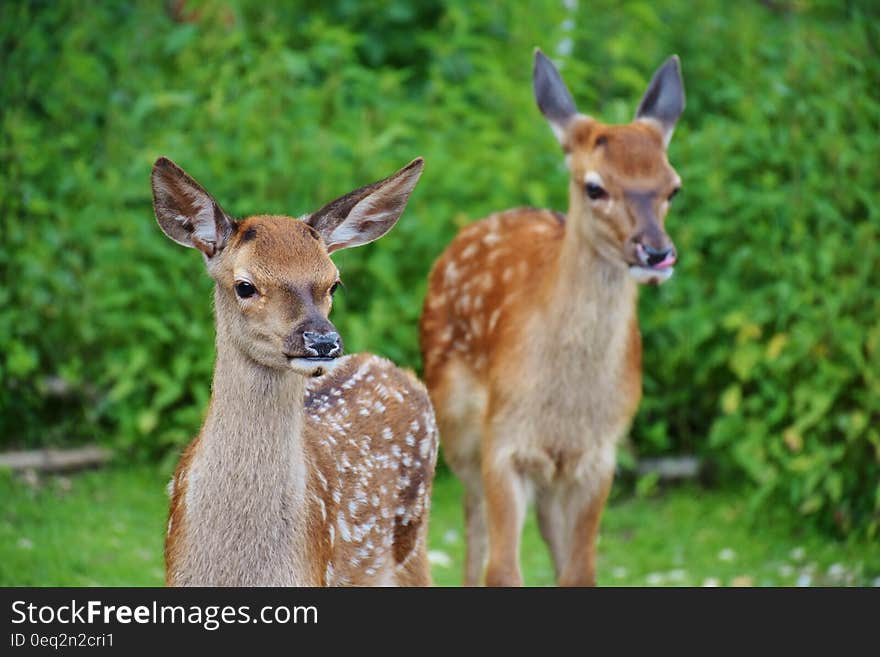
744, 359
776, 345
731, 399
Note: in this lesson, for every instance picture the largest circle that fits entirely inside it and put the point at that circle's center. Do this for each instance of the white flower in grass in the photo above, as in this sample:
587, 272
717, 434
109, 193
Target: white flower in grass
727, 555
797, 553
439, 558
619, 572
711, 582
804, 580
836, 570
786, 570
654, 579
450, 536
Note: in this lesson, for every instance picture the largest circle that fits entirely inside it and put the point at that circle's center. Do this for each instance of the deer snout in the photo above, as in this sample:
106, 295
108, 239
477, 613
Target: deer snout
322, 345
651, 258
655, 258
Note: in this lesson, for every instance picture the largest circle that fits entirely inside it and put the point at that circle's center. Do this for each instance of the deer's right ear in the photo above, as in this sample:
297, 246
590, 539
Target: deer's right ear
186, 212
554, 99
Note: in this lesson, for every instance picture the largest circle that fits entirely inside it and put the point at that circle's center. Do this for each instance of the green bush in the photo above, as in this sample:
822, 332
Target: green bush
761, 354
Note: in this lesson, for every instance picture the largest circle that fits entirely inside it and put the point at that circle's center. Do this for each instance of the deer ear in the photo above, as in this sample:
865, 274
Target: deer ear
186, 212
366, 214
553, 97
663, 102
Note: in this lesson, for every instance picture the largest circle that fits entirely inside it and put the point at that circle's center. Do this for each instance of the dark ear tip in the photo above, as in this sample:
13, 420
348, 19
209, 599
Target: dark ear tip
541, 59
414, 167
164, 164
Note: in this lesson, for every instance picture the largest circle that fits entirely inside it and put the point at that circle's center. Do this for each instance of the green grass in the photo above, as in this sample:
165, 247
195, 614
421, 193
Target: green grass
107, 528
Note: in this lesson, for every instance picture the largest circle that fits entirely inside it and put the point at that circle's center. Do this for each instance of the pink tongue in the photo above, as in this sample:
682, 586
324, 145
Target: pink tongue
666, 264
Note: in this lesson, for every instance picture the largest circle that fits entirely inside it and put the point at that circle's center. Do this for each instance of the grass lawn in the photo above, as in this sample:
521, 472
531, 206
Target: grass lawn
107, 528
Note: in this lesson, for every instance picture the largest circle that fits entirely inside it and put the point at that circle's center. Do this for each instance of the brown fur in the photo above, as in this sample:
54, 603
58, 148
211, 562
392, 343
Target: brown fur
532, 351
294, 480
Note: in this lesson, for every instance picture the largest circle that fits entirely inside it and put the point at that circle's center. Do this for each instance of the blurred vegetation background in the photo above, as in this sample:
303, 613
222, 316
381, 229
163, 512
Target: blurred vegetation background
762, 355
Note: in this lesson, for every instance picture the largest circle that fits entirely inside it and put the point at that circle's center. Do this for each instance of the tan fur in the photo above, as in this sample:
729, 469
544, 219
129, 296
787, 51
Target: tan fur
532, 353
296, 481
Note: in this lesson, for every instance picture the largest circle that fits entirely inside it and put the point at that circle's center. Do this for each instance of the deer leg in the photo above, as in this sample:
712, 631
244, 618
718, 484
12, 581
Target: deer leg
476, 534
505, 512
585, 511
551, 522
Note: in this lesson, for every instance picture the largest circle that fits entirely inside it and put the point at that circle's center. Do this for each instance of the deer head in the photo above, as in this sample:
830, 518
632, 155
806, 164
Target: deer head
621, 180
274, 279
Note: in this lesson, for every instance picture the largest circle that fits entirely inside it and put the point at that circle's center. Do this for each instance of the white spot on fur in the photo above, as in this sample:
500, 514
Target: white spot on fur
344, 531
451, 274
493, 319
490, 239
469, 251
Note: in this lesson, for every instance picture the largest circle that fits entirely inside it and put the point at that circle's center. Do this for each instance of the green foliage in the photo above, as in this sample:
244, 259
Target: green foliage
762, 353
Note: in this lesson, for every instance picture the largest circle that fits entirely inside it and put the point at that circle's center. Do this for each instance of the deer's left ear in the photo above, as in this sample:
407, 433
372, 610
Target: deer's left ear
366, 214
663, 102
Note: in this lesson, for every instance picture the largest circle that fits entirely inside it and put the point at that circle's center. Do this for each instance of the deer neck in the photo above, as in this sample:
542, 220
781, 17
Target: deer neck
256, 415
592, 295
246, 490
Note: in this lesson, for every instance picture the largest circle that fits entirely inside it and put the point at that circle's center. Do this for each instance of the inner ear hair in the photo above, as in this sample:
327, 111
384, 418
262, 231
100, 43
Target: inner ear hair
326, 218
186, 212
368, 212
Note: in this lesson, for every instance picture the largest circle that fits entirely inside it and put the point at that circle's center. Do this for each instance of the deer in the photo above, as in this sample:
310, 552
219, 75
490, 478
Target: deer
312, 468
530, 340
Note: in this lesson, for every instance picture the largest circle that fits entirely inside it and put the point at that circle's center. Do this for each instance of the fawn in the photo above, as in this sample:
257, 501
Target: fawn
530, 337
310, 469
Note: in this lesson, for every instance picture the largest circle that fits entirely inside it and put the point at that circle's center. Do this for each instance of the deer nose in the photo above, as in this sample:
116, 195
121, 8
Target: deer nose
322, 345
652, 257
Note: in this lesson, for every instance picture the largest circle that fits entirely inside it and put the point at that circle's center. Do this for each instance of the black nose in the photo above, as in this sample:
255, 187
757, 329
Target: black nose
322, 345
655, 256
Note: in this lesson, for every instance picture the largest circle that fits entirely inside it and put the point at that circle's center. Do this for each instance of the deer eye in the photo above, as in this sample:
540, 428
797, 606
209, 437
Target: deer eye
595, 192
674, 192
335, 287
245, 290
